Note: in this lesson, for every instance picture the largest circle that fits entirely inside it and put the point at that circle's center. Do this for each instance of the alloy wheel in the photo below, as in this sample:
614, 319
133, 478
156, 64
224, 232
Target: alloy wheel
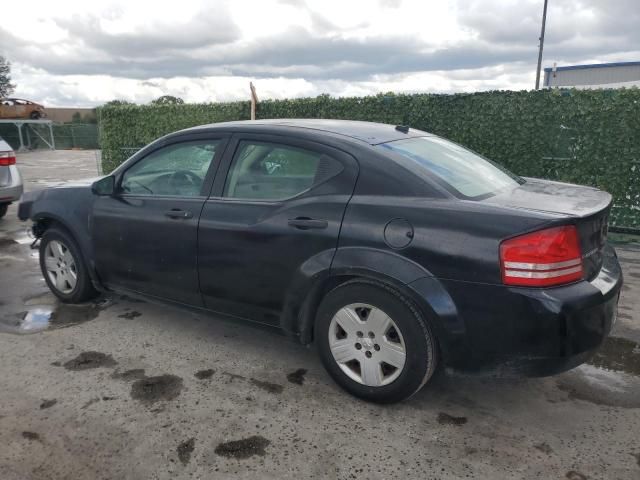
61, 266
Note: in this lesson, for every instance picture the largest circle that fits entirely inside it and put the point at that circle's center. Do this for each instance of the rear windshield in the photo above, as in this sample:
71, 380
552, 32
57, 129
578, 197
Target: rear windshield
461, 171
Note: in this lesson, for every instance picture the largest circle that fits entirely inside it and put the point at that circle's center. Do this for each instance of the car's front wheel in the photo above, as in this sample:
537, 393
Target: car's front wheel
64, 268
374, 342
3, 209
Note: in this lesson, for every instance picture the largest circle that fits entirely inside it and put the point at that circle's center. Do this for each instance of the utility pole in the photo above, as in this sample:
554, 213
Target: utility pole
544, 21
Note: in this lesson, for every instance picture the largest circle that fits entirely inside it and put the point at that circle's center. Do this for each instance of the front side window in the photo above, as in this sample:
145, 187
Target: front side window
271, 171
462, 171
177, 170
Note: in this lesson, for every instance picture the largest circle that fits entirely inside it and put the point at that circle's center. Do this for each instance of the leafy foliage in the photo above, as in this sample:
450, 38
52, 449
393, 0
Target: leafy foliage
6, 87
590, 137
167, 100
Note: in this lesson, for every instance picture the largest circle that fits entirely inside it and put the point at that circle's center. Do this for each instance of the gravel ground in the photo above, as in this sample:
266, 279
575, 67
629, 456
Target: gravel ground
129, 390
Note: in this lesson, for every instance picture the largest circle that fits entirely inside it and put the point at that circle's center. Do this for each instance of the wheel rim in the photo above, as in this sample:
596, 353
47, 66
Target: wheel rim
367, 344
61, 266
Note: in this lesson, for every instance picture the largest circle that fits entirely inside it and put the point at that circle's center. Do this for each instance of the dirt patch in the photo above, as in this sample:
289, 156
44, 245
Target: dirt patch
446, 419
267, 386
87, 360
89, 403
241, 449
204, 374
153, 389
573, 475
185, 449
32, 436
129, 375
130, 315
297, 377
544, 448
48, 403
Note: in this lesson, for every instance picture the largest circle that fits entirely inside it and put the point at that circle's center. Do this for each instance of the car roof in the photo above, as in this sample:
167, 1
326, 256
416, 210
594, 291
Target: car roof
369, 132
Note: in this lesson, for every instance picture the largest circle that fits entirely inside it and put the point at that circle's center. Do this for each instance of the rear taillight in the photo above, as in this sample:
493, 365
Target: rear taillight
542, 259
7, 158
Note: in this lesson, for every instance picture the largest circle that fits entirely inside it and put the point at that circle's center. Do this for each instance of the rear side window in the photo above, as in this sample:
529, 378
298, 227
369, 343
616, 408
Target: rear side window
271, 171
462, 171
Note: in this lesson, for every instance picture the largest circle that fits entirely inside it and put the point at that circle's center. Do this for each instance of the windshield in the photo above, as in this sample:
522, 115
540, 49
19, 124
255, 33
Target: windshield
463, 172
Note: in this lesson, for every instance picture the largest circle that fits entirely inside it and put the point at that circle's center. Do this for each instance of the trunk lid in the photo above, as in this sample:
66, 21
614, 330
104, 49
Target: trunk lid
588, 208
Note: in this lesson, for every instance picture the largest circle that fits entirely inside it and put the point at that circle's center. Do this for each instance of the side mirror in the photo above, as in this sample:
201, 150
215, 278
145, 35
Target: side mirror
104, 187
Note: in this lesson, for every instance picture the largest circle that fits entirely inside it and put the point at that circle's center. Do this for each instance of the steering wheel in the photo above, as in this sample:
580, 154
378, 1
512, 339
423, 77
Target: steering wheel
182, 178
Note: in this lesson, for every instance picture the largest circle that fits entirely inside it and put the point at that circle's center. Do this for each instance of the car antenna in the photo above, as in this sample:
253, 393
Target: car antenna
402, 128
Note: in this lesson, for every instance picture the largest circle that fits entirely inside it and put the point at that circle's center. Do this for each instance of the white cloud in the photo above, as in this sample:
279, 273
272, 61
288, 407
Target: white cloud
86, 53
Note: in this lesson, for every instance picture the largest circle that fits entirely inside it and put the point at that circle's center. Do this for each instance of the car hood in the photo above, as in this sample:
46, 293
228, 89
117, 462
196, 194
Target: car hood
554, 197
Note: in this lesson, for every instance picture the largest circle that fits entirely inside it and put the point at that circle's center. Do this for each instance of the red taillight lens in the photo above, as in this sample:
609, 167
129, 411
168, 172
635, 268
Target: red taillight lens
542, 259
7, 158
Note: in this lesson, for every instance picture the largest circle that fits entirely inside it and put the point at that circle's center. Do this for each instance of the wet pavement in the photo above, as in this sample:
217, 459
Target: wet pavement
124, 389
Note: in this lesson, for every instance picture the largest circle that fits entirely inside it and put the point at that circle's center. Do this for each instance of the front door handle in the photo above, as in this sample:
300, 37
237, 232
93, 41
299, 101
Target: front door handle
177, 213
305, 223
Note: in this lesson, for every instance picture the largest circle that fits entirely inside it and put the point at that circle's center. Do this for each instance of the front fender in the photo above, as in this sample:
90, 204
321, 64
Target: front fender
69, 208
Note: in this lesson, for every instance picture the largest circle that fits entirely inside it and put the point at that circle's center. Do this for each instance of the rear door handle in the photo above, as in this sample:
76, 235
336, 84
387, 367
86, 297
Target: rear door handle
177, 213
305, 223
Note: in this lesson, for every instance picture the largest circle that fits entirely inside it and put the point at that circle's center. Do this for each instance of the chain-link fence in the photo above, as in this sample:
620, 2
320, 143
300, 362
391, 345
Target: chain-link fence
65, 135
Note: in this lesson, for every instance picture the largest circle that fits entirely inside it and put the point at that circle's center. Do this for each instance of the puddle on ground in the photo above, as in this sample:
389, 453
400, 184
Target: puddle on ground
152, 389
42, 317
612, 376
245, 448
618, 354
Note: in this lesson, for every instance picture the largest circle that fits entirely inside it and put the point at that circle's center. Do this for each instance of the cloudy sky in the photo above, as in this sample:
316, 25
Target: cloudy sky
83, 53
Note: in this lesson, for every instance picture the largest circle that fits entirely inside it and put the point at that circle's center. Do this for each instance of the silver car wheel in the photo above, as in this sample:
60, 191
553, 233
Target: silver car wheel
61, 266
367, 344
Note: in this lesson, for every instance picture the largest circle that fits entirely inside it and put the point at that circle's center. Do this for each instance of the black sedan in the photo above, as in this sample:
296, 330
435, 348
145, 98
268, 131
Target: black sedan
393, 250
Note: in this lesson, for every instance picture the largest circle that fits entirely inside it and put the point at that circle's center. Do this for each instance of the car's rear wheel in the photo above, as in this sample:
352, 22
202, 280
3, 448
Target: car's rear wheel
3, 209
64, 268
374, 342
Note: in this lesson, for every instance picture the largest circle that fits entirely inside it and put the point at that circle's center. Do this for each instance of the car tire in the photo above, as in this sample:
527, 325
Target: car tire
35, 115
374, 323
64, 268
3, 209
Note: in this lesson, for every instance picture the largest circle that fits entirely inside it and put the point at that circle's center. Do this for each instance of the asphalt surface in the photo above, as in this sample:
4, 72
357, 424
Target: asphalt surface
129, 390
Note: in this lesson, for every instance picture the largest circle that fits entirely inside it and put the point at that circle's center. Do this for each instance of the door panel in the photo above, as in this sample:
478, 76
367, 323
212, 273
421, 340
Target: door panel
145, 237
249, 249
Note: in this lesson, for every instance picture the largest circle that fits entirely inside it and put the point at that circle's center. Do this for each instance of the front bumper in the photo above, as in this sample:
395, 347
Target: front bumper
533, 331
12, 189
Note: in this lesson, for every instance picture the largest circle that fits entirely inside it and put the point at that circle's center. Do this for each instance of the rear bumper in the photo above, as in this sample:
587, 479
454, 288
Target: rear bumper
12, 190
533, 331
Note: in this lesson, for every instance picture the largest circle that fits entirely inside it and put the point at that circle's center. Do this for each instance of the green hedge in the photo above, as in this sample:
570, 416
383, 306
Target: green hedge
590, 137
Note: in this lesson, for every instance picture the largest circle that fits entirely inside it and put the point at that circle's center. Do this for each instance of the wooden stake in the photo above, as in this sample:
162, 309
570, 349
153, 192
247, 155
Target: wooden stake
254, 100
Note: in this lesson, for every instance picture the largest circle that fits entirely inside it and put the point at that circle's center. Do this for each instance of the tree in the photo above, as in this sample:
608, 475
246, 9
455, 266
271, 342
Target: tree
167, 100
6, 87
116, 103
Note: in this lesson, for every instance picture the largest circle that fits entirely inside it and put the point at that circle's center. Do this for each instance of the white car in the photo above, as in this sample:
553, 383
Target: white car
10, 179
